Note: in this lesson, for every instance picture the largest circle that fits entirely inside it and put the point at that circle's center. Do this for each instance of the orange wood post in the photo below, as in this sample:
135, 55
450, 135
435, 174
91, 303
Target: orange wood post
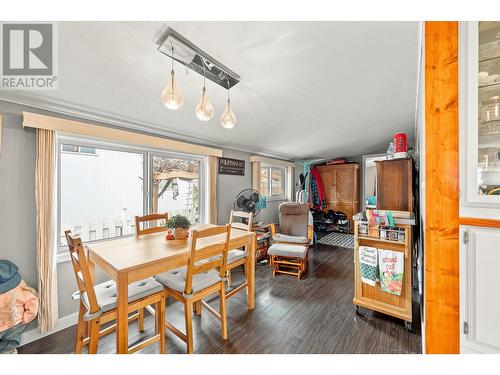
442, 326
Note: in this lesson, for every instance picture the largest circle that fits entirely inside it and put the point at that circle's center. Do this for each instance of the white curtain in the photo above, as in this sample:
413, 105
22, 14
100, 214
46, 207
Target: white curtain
45, 223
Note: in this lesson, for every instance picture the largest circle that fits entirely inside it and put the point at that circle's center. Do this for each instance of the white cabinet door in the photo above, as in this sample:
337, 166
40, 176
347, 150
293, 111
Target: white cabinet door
480, 290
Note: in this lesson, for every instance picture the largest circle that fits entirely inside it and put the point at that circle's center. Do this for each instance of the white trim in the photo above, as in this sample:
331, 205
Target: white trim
262, 159
63, 323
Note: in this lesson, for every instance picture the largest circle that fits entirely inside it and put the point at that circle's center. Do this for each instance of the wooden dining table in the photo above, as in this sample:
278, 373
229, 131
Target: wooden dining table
131, 259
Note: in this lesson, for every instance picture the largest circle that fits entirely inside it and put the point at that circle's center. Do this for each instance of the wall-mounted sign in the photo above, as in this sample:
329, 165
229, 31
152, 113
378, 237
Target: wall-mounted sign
232, 166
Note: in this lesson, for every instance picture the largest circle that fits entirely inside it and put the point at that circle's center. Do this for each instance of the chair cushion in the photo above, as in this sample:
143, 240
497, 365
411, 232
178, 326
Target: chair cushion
176, 279
106, 292
294, 218
235, 255
291, 239
284, 250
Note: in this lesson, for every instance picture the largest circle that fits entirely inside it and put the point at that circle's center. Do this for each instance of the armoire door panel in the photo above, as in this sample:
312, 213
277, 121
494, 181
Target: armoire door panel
344, 186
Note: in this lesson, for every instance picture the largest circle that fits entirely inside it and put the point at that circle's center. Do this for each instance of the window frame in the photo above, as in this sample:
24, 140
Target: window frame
62, 252
283, 194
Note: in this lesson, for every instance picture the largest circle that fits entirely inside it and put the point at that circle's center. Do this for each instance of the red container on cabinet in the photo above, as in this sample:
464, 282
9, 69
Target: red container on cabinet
400, 145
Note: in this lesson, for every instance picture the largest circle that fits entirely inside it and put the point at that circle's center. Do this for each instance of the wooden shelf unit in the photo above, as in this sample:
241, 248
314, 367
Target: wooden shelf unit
372, 297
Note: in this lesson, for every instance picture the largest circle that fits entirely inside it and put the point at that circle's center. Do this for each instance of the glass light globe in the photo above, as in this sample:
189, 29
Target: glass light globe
171, 96
204, 110
228, 118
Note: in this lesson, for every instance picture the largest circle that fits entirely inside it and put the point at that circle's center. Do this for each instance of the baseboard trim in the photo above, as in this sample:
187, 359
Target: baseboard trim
34, 335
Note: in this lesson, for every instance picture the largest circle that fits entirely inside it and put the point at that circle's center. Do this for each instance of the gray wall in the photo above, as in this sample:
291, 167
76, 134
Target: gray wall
17, 196
17, 202
229, 186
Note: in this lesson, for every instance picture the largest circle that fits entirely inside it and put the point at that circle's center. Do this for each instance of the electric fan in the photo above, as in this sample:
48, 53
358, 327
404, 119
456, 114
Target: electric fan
248, 200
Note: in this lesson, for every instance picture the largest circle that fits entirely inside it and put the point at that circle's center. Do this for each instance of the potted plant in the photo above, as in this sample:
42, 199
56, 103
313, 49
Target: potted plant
179, 225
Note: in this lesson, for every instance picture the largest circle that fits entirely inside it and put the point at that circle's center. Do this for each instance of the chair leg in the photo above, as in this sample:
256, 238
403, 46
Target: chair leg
94, 328
140, 321
80, 329
273, 266
197, 308
229, 278
160, 322
222, 298
246, 280
188, 312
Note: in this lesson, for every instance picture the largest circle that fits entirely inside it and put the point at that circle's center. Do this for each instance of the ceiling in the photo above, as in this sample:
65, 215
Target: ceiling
308, 89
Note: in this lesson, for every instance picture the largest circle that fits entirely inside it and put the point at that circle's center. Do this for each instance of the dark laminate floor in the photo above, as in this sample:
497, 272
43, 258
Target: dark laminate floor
313, 315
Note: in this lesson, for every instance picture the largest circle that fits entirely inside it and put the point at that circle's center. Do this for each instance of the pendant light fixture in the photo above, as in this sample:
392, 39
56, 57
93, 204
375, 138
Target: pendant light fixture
228, 118
204, 110
171, 96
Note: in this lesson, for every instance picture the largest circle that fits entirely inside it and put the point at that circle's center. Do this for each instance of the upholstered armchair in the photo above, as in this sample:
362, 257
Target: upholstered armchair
295, 224
291, 239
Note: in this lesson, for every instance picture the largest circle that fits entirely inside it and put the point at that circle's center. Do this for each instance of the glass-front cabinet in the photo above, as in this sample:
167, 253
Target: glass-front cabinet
479, 66
479, 100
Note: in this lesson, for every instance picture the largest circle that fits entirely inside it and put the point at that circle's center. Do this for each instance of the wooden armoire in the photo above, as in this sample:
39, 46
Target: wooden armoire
341, 184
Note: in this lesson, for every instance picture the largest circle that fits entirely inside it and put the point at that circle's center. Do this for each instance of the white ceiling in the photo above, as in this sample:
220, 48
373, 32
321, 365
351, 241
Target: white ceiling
308, 89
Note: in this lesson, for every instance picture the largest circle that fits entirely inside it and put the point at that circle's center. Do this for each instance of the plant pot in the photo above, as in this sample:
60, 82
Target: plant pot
180, 233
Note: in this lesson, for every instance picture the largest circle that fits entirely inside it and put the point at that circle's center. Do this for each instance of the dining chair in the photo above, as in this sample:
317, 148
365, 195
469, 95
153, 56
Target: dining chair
200, 278
163, 218
156, 223
237, 257
98, 303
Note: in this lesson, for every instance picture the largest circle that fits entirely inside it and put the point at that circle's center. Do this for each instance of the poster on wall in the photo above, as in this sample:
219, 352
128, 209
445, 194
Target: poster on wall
231, 166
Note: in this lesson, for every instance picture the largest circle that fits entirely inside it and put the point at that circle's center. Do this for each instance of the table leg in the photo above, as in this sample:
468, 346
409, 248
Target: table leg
92, 270
251, 273
122, 313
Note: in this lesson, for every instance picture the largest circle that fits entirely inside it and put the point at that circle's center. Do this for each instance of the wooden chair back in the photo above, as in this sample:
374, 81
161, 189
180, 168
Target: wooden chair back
150, 218
214, 254
82, 272
243, 216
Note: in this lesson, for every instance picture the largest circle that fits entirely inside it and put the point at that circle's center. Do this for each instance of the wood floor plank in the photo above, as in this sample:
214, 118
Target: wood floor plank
311, 315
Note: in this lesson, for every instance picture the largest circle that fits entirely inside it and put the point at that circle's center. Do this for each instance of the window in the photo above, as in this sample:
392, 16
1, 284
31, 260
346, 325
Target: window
272, 181
100, 196
176, 187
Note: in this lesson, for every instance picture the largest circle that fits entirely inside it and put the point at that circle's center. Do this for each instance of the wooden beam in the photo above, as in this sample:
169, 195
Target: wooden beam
441, 253
478, 222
